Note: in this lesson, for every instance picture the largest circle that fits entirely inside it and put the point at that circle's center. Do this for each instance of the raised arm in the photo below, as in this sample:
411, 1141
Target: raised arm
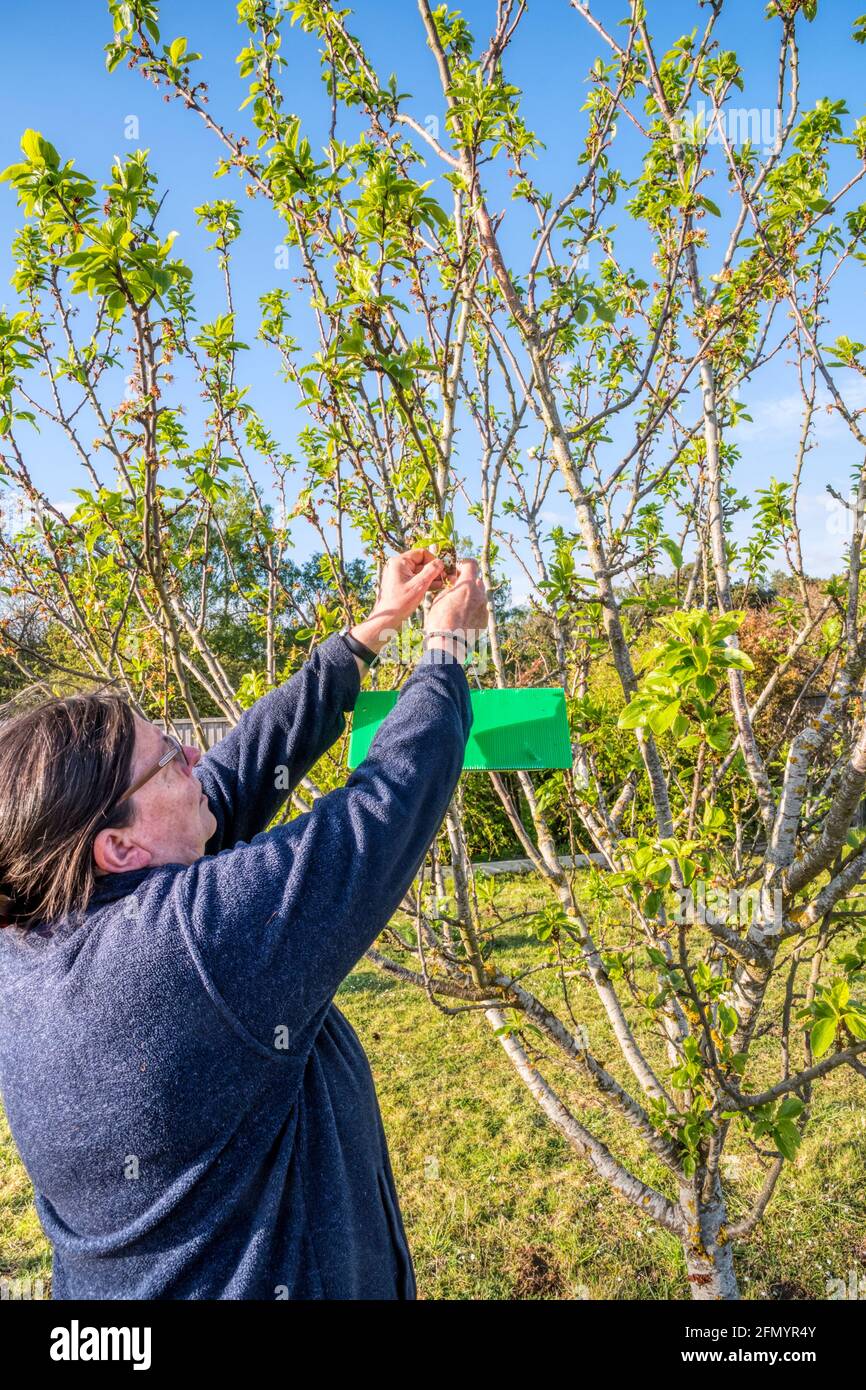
248, 776
276, 925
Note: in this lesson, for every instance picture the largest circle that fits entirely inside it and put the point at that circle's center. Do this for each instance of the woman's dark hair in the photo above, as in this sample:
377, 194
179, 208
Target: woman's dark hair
63, 765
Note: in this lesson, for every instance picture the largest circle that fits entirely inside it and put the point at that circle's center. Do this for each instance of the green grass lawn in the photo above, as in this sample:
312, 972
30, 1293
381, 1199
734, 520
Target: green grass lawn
495, 1202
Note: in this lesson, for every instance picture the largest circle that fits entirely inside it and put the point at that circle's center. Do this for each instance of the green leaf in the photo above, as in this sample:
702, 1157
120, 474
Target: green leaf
706, 687
673, 550
719, 735
787, 1138
742, 660
662, 719
856, 1024
604, 311
39, 151
634, 715
727, 1020
822, 1035
791, 1107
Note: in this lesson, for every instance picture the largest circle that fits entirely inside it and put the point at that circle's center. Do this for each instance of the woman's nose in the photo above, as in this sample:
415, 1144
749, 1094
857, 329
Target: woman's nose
192, 754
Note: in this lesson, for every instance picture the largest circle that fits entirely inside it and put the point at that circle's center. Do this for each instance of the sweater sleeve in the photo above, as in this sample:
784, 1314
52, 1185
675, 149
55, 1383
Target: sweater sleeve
250, 773
274, 926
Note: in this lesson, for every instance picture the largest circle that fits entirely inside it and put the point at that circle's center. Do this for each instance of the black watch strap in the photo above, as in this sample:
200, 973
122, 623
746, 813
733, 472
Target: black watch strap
358, 648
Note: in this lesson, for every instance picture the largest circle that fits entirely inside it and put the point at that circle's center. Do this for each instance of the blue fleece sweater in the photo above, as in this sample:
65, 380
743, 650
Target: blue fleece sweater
197, 1116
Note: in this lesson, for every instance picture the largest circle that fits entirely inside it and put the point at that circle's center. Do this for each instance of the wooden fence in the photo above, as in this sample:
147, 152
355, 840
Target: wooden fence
214, 730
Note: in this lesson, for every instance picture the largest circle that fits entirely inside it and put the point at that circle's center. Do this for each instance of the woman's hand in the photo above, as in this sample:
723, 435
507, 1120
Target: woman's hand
406, 578
462, 607
461, 610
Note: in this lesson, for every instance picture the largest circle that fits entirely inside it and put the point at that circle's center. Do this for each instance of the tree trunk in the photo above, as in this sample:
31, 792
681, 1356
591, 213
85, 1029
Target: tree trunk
709, 1266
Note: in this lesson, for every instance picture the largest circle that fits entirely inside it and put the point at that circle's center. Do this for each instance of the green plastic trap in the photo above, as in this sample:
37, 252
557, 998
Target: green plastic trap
526, 729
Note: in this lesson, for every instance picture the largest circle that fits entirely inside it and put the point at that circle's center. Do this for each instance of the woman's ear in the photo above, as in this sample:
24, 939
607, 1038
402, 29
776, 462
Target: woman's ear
115, 851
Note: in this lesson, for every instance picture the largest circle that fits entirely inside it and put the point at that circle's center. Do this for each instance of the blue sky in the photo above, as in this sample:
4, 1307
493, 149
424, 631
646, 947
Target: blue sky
53, 78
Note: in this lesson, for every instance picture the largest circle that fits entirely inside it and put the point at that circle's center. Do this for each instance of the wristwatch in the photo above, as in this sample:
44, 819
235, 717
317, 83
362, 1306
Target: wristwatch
357, 648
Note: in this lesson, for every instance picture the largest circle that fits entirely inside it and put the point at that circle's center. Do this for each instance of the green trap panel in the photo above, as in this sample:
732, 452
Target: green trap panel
510, 728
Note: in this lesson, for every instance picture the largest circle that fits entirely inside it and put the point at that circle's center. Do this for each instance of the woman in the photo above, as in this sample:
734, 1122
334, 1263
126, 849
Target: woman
198, 1118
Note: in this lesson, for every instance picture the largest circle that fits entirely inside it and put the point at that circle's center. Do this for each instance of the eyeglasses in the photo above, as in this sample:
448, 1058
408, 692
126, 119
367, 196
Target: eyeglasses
175, 751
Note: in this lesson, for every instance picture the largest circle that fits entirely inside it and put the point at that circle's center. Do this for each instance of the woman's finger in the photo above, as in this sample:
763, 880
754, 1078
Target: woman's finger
417, 558
429, 574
